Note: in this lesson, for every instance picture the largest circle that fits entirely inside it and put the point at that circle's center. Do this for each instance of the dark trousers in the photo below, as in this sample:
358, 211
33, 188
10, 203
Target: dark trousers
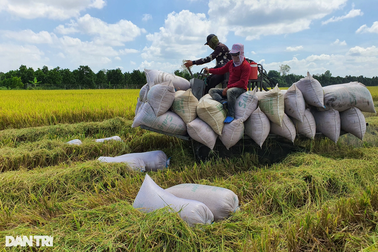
232, 95
212, 81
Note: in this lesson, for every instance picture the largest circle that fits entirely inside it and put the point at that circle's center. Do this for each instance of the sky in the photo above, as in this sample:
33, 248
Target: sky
310, 36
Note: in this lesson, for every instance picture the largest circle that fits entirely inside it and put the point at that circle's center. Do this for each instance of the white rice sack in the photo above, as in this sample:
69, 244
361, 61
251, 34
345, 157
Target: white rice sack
232, 133
345, 96
138, 105
75, 142
161, 97
202, 133
272, 104
155, 77
114, 138
221, 201
312, 91
307, 127
257, 127
328, 123
143, 93
295, 105
154, 160
136, 164
151, 197
246, 104
168, 122
185, 105
286, 130
353, 121
212, 113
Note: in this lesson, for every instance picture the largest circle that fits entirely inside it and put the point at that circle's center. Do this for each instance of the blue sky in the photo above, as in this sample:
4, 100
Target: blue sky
315, 36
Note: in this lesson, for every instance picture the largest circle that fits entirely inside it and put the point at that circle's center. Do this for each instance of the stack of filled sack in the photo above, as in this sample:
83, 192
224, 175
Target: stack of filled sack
166, 103
195, 203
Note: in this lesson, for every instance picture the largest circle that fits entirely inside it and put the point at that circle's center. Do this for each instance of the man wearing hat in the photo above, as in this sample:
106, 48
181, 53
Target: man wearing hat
220, 54
239, 70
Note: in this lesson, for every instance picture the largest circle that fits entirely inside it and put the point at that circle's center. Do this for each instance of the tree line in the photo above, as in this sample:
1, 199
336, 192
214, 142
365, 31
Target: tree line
81, 78
284, 79
85, 78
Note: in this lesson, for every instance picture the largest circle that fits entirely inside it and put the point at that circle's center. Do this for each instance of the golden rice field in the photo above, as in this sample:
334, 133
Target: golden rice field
31, 108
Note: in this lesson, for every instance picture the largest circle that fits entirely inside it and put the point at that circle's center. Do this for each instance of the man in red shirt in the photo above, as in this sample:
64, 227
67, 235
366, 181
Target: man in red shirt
239, 70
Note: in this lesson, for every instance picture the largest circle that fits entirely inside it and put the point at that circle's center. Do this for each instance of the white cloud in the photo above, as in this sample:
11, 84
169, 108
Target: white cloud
128, 51
56, 9
146, 17
183, 35
86, 53
338, 42
294, 49
253, 19
11, 55
103, 33
28, 36
357, 61
365, 29
353, 13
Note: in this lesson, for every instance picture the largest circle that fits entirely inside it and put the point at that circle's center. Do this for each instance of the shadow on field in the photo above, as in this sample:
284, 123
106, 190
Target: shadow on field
274, 150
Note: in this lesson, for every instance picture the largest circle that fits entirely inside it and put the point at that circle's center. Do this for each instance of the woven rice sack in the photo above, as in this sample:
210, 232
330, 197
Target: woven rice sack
138, 106
202, 133
353, 121
272, 104
221, 201
232, 133
307, 127
161, 97
185, 105
257, 127
114, 138
295, 105
345, 96
151, 197
155, 77
168, 122
212, 113
312, 91
246, 104
143, 93
328, 123
135, 163
286, 130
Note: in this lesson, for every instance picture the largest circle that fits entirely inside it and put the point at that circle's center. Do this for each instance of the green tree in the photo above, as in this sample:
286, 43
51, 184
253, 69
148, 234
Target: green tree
13, 83
35, 82
138, 78
101, 80
115, 77
85, 77
284, 69
26, 74
54, 78
68, 79
40, 75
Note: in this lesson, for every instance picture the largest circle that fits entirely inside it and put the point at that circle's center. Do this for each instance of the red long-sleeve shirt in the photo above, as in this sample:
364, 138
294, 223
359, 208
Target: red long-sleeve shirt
238, 75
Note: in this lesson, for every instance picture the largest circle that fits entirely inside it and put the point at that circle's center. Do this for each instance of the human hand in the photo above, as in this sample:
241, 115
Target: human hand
206, 70
224, 92
188, 63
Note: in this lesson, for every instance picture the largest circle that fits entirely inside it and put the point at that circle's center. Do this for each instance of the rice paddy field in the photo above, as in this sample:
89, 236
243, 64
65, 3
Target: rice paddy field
322, 198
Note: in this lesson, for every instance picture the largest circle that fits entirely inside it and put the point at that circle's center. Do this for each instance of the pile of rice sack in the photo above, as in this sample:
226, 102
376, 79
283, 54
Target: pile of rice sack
195, 203
166, 103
